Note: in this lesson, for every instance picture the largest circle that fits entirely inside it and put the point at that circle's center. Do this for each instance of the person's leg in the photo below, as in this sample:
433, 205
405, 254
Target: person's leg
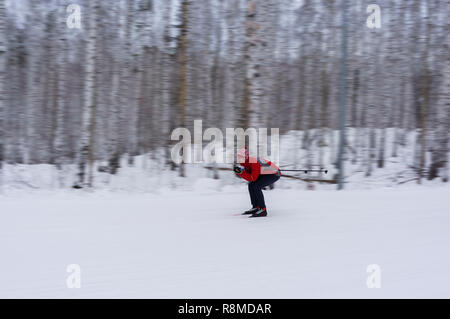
251, 191
263, 181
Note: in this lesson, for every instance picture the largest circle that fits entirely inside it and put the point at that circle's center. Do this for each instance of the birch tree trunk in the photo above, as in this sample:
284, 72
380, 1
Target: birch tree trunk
86, 147
424, 105
182, 64
129, 89
253, 61
2, 86
32, 86
114, 115
439, 158
58, 141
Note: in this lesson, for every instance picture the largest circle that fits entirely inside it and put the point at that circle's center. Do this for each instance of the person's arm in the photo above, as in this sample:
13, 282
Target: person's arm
253, 175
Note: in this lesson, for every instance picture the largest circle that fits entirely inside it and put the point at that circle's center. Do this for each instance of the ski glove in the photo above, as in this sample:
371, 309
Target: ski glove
238, 169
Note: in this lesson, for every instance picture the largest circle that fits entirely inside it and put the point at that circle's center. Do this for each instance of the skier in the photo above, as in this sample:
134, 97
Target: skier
259, 173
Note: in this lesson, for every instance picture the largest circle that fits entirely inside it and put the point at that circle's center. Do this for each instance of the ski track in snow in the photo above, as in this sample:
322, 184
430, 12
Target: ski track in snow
185, 245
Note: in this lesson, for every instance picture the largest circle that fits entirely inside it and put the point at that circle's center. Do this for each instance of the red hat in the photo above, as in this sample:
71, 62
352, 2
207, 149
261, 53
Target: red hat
243, 153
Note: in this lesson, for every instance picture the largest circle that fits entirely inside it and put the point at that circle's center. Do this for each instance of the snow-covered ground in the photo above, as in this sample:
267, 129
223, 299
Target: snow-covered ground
181, 244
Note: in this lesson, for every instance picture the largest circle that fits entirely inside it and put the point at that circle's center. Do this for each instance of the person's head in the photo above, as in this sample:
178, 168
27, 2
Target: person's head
242, 155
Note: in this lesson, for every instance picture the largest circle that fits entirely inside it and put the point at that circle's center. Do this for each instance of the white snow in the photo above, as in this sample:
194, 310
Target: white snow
184, 244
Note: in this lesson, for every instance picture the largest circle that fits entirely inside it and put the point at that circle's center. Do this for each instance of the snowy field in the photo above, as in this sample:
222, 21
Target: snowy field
182, 244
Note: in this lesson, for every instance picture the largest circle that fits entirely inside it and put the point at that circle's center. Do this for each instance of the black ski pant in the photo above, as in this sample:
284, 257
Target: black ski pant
255, 189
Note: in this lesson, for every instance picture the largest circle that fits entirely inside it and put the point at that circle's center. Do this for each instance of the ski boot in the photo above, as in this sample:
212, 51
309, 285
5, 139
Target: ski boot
262, 212
250, 211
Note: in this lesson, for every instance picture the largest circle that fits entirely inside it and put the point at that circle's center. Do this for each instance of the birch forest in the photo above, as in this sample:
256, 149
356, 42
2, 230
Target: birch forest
93, 83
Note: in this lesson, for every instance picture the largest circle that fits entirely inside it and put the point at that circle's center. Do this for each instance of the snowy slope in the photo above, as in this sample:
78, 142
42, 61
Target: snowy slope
190, 245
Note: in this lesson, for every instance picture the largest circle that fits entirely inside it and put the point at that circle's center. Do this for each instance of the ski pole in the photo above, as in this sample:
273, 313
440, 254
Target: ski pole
305, 170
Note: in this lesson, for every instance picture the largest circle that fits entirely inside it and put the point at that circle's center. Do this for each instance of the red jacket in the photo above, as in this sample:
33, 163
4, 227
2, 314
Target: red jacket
254, 167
